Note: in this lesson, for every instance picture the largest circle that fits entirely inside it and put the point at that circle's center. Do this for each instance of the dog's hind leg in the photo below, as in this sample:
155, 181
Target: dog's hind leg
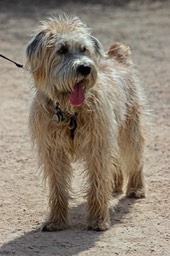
117, 181
132, 145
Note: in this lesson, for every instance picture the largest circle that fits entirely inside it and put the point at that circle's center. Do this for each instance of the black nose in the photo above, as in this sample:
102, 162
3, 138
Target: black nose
84, 69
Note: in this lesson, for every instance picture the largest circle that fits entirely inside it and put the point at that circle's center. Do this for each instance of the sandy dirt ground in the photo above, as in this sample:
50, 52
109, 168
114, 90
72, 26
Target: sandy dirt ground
138, 227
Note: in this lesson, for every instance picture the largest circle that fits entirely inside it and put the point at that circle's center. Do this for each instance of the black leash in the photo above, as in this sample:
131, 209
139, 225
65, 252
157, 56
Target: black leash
17, 64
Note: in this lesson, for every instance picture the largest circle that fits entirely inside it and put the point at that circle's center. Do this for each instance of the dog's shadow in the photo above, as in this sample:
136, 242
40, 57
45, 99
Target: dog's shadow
68, 242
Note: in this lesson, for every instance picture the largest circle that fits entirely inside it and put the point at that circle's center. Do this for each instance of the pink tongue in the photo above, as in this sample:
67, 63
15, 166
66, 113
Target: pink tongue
77, 96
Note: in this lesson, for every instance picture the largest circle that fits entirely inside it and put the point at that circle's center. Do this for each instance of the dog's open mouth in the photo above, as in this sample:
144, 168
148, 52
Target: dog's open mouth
77, 96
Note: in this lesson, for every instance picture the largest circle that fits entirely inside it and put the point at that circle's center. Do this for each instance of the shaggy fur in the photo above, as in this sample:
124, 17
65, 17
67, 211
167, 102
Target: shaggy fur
109, 131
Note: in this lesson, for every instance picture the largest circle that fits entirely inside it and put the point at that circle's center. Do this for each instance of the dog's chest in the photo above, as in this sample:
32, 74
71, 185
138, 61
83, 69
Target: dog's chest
75, 136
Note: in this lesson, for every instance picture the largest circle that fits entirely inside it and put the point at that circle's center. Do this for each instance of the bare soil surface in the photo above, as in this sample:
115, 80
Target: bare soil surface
138, 227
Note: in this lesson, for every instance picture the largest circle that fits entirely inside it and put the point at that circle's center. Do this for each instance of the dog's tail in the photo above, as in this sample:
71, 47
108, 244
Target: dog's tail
120, 52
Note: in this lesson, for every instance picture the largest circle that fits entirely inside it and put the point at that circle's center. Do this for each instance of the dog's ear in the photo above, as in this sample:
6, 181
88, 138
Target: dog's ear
98, 47
34, 51
35, 54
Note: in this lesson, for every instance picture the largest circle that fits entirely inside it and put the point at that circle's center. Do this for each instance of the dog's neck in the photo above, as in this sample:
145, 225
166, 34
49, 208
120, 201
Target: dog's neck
57, 114
60, 117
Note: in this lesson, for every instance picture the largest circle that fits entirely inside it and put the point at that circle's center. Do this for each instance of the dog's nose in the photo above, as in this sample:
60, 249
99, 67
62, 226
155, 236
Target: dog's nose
84, 69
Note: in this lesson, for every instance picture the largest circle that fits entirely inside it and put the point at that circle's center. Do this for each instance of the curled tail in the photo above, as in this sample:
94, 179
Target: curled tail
121, 53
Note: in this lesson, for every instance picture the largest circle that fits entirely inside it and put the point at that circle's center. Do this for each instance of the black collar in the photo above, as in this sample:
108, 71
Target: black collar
63, 117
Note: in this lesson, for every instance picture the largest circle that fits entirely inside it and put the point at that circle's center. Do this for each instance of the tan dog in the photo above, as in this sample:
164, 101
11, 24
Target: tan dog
85, 105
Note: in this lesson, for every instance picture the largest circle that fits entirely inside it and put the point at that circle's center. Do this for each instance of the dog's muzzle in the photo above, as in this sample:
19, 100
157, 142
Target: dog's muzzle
77, 96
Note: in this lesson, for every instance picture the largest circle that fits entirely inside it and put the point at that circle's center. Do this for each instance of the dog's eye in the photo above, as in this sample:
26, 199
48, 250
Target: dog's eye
83, 49
63, 50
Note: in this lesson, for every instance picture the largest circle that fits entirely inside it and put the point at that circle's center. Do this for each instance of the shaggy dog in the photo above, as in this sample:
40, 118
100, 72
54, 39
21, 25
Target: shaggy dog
85, 105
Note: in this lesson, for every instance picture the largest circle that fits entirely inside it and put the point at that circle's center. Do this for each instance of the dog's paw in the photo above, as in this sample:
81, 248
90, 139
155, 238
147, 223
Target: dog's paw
98, 226
135, 193
50, 226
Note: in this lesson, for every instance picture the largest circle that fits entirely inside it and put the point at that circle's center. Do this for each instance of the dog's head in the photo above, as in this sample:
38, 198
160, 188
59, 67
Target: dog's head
63, 58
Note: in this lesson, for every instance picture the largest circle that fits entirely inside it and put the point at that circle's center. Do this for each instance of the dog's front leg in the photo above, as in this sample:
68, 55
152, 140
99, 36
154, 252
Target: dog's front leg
99, 191
57, 170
